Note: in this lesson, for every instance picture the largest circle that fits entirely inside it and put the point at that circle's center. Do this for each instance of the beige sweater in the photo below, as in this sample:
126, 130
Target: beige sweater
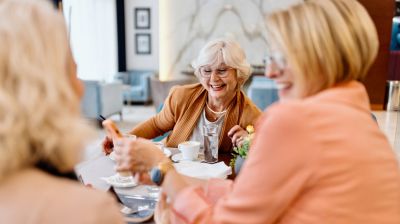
182, 109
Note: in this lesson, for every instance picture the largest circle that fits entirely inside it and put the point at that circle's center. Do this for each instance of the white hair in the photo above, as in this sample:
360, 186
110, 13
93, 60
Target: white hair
225, 51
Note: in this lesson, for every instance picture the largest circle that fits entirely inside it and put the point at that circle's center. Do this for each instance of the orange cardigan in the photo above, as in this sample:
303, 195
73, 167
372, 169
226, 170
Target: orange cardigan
182, 109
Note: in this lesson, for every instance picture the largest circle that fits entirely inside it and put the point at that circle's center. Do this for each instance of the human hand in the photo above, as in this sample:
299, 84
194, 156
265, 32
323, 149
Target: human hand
108, 145
237, 135
162, 211
137, 155
143, 178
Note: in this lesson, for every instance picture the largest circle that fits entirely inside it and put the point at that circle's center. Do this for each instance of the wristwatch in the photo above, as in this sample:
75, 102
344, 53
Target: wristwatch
158, 172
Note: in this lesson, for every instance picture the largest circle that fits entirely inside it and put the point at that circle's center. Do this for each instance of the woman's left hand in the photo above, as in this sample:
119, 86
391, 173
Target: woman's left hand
137, 155
237, 134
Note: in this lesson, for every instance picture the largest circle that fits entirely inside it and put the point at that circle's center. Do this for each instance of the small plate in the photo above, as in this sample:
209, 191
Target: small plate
178, 157
115, 181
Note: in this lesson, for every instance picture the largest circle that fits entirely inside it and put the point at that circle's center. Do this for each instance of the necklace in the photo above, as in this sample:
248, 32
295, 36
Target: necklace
216, 112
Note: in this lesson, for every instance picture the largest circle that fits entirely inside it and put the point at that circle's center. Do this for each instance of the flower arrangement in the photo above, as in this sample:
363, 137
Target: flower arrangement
242, 150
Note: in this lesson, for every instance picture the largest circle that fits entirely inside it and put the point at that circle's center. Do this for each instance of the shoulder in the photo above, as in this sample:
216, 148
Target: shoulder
181, 95
56, 200
187, 89
87, 204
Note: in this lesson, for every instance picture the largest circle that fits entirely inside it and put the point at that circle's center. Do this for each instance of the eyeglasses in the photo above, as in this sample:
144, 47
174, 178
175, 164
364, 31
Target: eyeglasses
206, 72
276, 58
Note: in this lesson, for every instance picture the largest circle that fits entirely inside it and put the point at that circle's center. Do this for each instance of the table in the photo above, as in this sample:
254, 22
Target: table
92, 170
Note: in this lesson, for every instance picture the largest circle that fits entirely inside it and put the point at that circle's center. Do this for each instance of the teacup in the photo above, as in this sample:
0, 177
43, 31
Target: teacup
189, 149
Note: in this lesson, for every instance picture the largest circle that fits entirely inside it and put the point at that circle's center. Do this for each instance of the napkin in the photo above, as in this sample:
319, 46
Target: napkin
203, 170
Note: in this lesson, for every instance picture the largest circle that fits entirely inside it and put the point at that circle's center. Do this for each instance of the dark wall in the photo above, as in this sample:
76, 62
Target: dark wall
382, 13
120, 6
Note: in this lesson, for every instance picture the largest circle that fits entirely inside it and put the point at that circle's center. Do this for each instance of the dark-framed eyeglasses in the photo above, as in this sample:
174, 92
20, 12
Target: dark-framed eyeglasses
222, 72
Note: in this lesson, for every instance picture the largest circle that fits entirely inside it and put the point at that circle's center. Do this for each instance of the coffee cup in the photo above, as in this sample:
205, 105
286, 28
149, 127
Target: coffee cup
189, 149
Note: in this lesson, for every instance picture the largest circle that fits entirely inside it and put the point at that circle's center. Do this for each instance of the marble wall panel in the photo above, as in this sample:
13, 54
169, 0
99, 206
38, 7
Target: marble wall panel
191, 24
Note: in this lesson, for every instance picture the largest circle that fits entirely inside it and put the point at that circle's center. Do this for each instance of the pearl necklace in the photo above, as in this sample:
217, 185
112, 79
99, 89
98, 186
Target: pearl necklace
216, 112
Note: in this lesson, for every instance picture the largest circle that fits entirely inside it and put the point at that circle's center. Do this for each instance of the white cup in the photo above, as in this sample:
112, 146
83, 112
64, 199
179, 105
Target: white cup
189, 149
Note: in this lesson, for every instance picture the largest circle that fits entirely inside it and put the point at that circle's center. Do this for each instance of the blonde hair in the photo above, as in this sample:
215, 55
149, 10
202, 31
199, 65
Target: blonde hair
325, 41
39, 110
223, 51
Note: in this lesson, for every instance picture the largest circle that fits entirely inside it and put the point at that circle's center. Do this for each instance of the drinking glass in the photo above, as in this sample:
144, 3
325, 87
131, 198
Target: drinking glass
210, 136
125, 176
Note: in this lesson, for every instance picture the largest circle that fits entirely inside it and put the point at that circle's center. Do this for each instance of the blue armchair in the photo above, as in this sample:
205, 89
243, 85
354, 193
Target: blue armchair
138, 85
262, 91
101, 99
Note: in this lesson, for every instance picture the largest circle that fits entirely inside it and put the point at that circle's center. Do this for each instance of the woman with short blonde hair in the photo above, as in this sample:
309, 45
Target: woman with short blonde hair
320, 56
42, 134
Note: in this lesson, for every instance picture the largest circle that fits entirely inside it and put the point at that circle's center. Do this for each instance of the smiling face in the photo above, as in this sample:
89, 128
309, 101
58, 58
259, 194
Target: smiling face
279, 70
219, 80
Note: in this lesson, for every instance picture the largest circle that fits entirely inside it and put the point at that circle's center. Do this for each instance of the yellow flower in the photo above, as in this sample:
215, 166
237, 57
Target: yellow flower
250, 129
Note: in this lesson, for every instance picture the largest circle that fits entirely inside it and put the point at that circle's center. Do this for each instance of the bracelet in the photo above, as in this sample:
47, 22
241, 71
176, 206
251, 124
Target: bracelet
157, 173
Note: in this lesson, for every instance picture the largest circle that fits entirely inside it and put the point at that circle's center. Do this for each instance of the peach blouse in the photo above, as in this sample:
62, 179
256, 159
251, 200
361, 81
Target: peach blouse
318, 160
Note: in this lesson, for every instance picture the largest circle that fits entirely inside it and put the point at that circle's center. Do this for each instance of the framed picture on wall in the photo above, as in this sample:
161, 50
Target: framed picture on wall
142, 18
143, 43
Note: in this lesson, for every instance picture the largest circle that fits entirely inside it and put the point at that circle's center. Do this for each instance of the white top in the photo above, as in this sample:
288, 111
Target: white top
197, 134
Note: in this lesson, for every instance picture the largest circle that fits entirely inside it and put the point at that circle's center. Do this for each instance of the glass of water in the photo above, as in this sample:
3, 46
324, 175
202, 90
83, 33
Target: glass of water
210, 144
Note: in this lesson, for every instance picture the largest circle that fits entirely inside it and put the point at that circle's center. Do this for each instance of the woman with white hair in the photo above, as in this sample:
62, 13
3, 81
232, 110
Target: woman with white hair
317, 156
222, 69
42, 134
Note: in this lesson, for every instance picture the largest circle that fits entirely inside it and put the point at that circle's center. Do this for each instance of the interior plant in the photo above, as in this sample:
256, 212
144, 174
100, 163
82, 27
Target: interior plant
240, 152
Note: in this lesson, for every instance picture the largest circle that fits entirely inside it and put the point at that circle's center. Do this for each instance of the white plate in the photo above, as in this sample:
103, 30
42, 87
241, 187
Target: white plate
115, 181
178, 157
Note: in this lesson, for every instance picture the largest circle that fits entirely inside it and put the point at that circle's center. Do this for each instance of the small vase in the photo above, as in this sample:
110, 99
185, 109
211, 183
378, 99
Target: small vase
238, 164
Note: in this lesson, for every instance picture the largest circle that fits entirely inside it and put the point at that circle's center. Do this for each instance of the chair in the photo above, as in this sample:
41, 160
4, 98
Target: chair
161, 137
262, 91
101, 98
137, 83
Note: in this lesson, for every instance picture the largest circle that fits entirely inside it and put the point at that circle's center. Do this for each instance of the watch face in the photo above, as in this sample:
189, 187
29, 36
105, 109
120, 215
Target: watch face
156, 175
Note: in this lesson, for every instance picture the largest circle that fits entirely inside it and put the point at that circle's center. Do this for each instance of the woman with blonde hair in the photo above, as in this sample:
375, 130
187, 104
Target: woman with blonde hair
317, 156
42, 134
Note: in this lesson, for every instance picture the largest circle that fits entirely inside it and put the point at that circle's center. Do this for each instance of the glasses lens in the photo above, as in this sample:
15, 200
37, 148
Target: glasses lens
220, 72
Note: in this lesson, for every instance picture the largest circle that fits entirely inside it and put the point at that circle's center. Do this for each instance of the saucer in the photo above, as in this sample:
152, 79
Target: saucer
178, 157
116, 182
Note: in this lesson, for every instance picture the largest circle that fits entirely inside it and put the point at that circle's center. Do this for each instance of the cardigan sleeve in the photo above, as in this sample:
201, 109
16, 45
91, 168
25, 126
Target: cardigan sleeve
162, 122
278, 169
